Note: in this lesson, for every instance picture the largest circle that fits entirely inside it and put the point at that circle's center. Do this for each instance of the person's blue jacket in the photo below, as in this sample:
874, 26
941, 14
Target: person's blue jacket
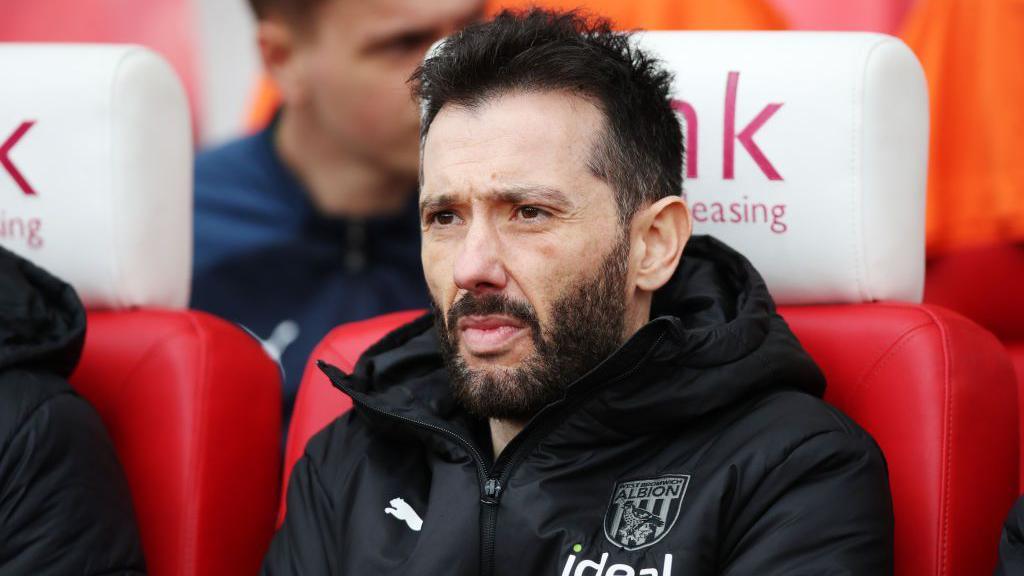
266, 259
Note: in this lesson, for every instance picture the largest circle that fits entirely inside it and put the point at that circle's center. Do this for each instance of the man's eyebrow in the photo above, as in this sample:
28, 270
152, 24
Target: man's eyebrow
527, 194
510, 195
435, 203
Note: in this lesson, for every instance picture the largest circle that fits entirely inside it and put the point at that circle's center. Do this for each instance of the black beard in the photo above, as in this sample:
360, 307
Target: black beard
588, 322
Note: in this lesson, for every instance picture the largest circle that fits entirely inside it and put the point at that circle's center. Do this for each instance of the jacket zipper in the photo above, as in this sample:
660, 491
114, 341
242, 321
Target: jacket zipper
489, 524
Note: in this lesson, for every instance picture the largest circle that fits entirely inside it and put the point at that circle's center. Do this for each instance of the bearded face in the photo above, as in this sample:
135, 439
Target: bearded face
586, 326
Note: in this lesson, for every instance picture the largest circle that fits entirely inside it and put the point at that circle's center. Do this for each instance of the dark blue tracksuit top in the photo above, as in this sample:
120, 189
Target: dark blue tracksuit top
266, 259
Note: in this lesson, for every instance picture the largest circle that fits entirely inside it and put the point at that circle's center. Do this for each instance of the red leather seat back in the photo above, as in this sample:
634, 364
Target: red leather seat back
938, 395
194, 409
983, 284
318, 402
935, 390
1016, 350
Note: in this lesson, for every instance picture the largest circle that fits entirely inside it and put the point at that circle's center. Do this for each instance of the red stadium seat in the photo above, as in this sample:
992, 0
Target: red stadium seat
936, 392
845, 260
318, 403
983, 283
194, 408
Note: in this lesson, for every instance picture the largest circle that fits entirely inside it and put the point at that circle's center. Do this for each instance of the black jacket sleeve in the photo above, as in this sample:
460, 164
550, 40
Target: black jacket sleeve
65, 507
825, 509
301, 544
1011, 544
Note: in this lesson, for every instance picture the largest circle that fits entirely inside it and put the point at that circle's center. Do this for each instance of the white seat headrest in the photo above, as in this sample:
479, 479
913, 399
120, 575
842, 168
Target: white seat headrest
807, 152
96, 170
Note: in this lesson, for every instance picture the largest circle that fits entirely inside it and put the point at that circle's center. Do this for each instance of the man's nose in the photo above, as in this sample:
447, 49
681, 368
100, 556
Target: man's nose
479, 267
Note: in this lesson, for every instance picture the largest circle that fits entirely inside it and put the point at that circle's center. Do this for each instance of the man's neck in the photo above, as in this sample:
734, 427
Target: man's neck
502, 432
339, 183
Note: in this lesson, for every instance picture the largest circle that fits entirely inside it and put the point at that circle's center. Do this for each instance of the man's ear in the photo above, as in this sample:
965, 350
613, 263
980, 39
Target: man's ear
663, 228
278, 45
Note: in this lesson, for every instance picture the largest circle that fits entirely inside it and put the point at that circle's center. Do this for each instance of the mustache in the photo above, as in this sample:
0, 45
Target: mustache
471, 305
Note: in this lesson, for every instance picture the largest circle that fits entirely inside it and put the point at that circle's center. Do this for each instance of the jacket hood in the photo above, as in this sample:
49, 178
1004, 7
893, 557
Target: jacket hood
42, 321
714, 341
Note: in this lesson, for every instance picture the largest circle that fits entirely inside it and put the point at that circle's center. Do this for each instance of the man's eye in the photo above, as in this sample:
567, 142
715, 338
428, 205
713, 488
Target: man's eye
444, 218
530, 212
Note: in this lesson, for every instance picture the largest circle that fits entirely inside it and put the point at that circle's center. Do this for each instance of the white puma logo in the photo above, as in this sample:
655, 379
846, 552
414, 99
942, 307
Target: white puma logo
399, 509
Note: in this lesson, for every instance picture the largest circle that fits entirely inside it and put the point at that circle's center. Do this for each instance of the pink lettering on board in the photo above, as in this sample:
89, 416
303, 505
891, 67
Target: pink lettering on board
5, 160
746, 136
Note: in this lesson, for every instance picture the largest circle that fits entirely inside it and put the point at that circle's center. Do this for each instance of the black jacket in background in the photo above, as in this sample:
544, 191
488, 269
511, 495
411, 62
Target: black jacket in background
1011, 544
64, 502
701, 447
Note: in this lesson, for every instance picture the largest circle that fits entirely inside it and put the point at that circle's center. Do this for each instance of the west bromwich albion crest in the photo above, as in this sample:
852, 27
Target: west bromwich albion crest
641, 512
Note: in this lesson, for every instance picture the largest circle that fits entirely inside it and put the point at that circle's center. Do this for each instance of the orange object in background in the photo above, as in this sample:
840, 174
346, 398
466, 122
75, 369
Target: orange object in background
647, 14
868, 15
265, 101
973, 54
667, 14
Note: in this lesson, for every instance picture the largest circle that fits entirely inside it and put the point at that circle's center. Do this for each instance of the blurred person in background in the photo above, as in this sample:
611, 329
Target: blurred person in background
312, 222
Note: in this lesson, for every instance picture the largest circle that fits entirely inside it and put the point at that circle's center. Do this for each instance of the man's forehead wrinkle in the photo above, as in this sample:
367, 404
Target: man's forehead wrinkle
544, 143
442, 159
468, 138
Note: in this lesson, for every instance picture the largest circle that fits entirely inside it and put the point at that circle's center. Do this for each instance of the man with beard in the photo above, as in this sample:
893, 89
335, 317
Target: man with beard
586, 398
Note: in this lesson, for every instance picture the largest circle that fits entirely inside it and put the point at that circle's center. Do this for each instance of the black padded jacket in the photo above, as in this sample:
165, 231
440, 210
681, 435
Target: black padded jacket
700, 447
64, 501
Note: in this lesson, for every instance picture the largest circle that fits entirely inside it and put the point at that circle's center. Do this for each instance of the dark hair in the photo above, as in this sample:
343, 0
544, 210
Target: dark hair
292, 10
640, 153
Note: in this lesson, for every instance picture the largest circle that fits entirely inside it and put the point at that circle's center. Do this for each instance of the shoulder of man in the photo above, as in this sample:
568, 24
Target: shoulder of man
788, 426
794, 453
788, 418
334, 452
789, 438
236, 162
